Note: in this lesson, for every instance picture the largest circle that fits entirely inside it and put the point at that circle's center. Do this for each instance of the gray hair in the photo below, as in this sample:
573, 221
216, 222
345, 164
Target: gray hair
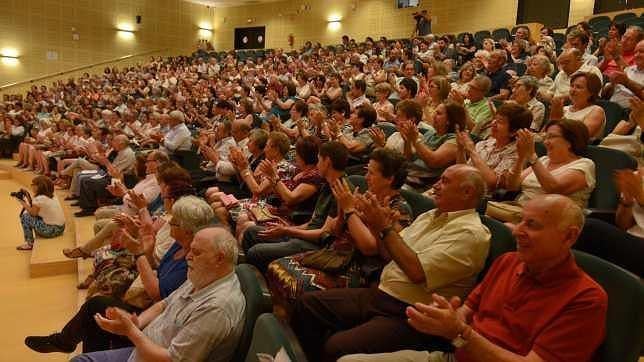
178, 115
159, 156
259, 136
570, 214
483, 82
192, 213
482, 53
543, 62
122, 139
223, 241
639, 32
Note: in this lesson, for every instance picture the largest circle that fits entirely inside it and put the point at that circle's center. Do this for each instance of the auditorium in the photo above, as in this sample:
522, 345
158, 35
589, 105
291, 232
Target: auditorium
336, 180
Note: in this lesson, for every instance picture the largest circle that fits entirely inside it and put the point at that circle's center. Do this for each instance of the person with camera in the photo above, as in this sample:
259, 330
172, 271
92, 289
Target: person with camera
423, 24
42, 214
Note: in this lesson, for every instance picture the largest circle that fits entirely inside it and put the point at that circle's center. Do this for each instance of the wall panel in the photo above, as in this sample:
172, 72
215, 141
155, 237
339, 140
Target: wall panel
32, 27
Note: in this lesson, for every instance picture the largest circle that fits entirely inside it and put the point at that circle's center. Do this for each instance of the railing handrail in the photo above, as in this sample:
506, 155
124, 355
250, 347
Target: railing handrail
76, 69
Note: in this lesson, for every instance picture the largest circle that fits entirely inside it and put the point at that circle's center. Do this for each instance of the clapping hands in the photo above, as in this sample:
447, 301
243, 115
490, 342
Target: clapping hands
525, 144
378, 136
375, 215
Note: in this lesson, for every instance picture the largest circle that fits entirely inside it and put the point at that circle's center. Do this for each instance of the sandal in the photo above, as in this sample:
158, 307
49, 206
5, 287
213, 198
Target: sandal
25, 246
75, 253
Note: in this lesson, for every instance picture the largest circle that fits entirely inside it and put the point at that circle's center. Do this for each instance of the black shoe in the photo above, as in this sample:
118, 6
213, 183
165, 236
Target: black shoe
71, 198
77, 203
46, 344
84, 212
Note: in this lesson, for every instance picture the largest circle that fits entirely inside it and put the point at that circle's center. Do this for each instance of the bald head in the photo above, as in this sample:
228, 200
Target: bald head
460, 187
560, 210
570, 60
120, 142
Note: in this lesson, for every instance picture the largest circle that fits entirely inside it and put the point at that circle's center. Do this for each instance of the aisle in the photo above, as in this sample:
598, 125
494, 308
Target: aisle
28, 306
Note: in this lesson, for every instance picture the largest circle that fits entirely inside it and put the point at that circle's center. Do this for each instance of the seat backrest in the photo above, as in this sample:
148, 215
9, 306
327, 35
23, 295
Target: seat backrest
270, 335
634, 21
599, 20
607, 161
501, 33
418, 202
190, 159
480, 35
387, 127
614, 113
258, 301
625, 316
619, 18
501, 242
358, 181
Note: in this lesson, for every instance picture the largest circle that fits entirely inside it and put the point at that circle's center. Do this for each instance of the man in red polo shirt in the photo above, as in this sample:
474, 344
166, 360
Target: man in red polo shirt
619, 56
534, 305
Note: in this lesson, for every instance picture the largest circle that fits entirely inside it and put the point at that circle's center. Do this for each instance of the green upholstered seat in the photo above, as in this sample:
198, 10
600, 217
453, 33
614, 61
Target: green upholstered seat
270, 335
258, 301
625, 316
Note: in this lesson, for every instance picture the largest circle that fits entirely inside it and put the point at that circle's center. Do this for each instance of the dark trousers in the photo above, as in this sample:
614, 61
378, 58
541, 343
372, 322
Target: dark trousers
83, 328
260, 251
610, 243
91, 190
337, 322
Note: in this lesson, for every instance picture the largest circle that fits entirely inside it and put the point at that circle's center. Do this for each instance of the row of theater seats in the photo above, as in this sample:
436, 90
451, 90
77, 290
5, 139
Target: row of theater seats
599, 25
263, 333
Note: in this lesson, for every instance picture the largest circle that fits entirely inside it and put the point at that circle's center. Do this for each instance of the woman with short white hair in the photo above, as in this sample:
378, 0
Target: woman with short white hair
539, 66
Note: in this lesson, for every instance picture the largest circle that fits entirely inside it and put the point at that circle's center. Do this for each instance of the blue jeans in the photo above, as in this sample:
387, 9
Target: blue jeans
113, 355
260, 251
35, 223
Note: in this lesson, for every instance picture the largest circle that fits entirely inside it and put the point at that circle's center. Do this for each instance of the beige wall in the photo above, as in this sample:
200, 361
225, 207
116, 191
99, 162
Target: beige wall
34, 27
369, 18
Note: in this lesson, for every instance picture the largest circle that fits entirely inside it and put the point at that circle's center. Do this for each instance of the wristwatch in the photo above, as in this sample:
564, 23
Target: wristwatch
347, 215
383, 234
459, 341
532, 161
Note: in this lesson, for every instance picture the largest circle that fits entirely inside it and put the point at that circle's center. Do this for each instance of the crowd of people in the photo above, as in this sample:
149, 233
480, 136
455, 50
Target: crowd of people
189, 162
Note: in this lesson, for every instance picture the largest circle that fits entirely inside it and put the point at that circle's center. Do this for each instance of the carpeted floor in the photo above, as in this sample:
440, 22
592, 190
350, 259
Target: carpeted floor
28, 306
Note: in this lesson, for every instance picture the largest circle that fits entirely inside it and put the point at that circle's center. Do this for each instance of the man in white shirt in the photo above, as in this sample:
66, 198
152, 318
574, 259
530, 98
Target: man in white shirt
200, 321
178, 137
442, 251
569, 62
219, 153
356, 96
631, 81
579, 40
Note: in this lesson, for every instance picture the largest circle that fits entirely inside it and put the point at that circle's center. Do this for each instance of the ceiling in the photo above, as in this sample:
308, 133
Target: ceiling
230, 3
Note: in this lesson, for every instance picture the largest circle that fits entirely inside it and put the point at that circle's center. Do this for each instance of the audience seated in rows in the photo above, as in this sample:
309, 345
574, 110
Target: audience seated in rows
272, 142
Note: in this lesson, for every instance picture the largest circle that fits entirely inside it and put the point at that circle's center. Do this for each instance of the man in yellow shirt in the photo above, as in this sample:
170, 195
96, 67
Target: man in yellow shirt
442, 251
